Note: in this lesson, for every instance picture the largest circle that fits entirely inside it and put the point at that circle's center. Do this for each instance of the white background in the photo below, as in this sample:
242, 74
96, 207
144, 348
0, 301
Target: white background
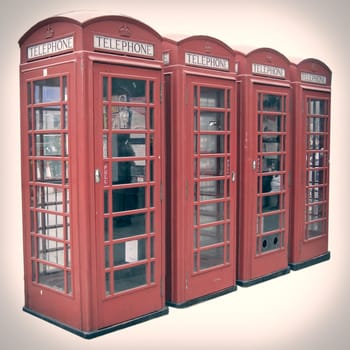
308, 309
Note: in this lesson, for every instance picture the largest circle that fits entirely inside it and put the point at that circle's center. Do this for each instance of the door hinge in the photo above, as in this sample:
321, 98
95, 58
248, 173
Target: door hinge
186, 281
161, 191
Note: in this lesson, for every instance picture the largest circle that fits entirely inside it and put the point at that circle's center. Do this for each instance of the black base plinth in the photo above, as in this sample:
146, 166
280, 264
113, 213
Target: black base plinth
102, 331
202, 298
310, 262
264, 278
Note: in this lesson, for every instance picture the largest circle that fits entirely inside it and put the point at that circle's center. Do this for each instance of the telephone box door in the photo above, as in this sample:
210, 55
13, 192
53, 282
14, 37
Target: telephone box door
316, 127
210, 241
127, 189
271, 166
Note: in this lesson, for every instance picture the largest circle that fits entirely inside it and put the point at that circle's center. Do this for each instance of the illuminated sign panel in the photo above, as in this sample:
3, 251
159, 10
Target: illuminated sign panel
123, 46
211, 62
313, 78
271, 71
50, 47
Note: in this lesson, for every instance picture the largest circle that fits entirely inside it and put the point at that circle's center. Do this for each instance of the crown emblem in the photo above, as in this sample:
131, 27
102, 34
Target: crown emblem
49, 32
207, 48
269, 59
124, 30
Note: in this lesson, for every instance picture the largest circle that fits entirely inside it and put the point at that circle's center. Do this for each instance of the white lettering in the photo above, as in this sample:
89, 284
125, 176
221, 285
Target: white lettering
194, 59
313, 78
122, 45
268, 70
50, 48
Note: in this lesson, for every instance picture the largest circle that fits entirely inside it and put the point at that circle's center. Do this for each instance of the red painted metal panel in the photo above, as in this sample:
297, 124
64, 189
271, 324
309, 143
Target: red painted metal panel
63, 111
312, 99
197, 67
265, 156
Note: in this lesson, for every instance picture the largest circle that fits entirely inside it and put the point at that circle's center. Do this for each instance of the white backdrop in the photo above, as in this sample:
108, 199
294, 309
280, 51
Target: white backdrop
308, 309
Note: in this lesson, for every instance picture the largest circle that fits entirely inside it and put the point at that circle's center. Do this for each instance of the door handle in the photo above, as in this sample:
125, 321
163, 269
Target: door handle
254, 164
233, 176
97, 176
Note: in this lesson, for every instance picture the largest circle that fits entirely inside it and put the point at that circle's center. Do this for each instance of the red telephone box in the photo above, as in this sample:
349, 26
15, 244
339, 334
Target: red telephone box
201, 142
264, 165
92, 172
312, 97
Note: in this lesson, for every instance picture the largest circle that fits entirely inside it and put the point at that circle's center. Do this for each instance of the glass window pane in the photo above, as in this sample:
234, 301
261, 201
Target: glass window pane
317, 125
211, 212
315, 229
129, 225
128, 90
108, 283
270, 203
105, 88
211, 97
67, 236
129, 252
105, 116
195, 96
50, 276
50, 225
271, 163
30, 119
151, 91
65, 119
29, 93
48, 118
128, 199
151, 219
211, 167
106, 229
51, 251
69, 282
316, 177
271, 222
124, 117
271, 144
212, 121
128, 117
195, 262
48, 145
129, 278
152, 272
211, 257
272, 103
49, 171
49, 198
152, 247
151, 118
211, 235
64, 89
316, 194
212, 143
47, 90
271, 123
128, 172
128, 145
317, 159
316, 142
314, 212
266, 183
211, 189
317, 107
